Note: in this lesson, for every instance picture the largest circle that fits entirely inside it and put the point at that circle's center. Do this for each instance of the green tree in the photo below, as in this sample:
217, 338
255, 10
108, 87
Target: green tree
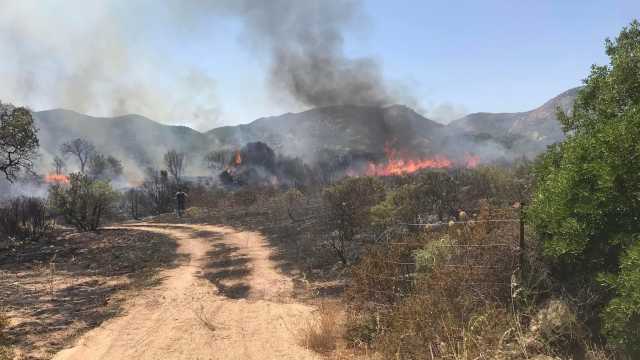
84, 202
18, 140
586, 207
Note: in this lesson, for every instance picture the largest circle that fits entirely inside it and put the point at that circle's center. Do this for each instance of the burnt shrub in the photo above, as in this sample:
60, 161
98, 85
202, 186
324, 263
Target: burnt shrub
24, 219
349, 203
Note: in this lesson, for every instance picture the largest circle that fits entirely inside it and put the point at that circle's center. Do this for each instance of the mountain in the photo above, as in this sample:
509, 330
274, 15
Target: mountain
527, 132
336, 130
136, 140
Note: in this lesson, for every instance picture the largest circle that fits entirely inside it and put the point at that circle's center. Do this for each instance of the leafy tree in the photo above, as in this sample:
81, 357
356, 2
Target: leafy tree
84, 202
586, 207
81, 149
18, 140
104, 167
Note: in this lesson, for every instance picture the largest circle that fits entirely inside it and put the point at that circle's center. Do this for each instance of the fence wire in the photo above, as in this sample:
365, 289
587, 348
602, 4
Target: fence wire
481, 255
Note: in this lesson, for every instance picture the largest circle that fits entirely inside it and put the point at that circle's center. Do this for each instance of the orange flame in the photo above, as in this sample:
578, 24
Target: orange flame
56, 179
401, 166
471, 161
398, 163
238, 158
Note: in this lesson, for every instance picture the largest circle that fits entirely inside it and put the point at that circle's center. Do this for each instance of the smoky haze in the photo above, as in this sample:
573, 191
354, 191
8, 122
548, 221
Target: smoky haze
97, 58
100, 58
305, 42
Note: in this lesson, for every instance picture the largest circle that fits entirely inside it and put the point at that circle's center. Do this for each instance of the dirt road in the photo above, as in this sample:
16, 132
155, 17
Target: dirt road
227, 302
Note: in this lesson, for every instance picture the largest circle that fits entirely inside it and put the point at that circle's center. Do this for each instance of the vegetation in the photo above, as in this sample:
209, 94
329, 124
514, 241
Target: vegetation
587, 204
18, 140
5, 351
24, 219
349, 203
101, 167
84, 203
158, 191
58, 165
175, 164
323, 333
80, 149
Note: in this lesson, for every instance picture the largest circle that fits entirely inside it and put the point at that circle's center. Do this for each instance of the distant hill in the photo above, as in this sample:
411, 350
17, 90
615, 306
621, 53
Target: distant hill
336, 128
527, 132
141, 142
136, 140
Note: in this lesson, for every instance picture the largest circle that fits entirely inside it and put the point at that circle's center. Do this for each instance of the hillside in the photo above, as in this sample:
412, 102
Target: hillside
337, 129
134, 139
528, 132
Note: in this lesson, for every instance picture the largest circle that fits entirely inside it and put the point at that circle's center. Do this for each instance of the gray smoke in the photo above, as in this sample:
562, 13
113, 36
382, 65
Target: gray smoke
95, 57
304, 42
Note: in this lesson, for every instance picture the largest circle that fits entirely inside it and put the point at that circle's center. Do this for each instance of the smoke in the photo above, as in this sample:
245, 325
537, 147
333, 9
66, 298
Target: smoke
304, 44
446, 112
106, 58
101, 58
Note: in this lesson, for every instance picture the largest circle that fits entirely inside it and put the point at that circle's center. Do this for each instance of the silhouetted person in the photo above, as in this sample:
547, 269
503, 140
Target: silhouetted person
181, 200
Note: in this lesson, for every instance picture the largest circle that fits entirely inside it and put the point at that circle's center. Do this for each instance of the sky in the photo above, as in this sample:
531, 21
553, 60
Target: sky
204, 66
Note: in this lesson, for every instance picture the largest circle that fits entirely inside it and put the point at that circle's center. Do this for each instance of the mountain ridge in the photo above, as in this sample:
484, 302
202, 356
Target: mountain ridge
141, 142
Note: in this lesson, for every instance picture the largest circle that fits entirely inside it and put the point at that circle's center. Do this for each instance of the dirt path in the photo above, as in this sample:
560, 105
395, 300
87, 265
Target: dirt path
227, 302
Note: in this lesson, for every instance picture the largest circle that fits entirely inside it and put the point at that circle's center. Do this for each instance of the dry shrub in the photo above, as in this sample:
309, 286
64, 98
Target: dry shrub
443, 320
323, 333
455, 308
5, 351
371, 277
24, 219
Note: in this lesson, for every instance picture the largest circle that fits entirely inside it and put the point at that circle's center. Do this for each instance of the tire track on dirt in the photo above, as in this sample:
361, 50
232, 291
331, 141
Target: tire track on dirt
227, 302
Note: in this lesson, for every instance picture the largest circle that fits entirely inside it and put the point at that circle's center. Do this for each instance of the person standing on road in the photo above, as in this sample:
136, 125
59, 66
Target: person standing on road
181, 200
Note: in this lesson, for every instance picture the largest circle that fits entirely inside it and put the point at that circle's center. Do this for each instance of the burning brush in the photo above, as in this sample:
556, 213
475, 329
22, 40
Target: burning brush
56, 179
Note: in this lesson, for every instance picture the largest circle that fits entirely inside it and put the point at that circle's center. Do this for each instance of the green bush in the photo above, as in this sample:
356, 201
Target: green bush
621, 317
434, 253
586, 206
83, 203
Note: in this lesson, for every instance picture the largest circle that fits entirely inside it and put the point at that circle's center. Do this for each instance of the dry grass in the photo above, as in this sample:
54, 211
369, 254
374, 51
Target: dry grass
323, 333
5, 351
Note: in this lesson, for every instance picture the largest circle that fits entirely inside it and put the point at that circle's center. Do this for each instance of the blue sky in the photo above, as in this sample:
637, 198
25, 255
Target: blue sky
494, 55
454, 57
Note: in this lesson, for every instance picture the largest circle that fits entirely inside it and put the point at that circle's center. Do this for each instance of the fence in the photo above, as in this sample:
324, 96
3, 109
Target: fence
481, 254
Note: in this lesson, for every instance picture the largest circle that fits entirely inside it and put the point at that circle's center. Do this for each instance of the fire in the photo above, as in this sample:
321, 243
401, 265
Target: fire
238, 158
471, 161
402, 166
56, 179
399, 163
